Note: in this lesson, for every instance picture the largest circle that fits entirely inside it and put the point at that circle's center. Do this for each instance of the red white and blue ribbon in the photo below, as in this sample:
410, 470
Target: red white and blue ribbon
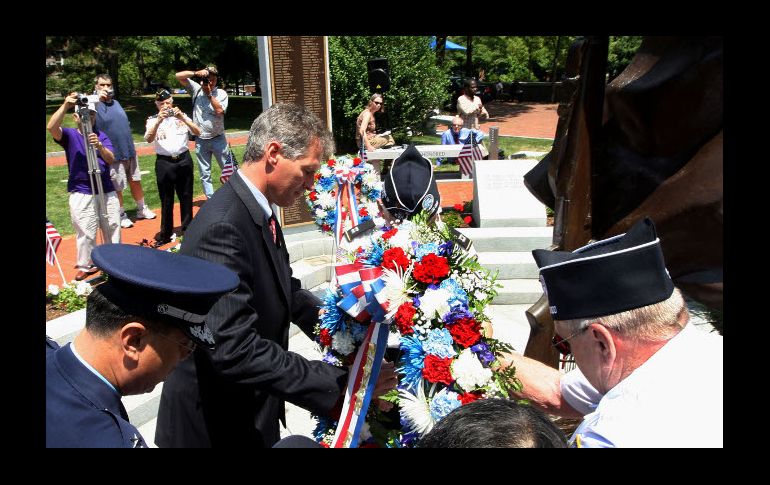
361, 384
346, 205
365, 301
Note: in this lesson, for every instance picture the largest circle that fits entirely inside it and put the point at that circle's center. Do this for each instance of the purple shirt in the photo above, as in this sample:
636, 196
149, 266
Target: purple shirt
75, 151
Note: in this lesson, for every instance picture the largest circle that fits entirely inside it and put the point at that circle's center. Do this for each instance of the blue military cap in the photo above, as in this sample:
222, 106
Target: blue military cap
165, 286
606, 277
410, 187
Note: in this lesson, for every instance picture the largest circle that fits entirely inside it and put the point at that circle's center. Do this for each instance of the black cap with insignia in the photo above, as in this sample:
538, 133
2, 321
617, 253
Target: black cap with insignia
410, 187
164, 286
162, 94
606, 277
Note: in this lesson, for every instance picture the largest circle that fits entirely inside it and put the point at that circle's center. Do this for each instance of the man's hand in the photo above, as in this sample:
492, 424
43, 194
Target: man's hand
71, 100
93, 139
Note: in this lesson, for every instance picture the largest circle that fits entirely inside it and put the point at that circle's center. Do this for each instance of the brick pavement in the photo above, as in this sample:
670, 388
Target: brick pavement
514, 119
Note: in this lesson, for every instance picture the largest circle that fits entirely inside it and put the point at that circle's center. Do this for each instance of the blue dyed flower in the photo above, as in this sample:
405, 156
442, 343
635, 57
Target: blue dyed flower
331, 217
486, 356
443, 403
327, 183
332, 319
439, 343
358, 331
416, 301
375, 256
459, 296
411, 362
424, 249
445, 249
458, 312
329, 358
323, 426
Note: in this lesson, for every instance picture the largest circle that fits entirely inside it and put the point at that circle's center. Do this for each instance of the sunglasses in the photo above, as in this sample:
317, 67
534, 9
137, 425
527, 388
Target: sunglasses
562, 344
378, 102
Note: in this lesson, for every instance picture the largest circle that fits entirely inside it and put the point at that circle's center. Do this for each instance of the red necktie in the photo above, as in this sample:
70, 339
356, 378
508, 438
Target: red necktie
272, 228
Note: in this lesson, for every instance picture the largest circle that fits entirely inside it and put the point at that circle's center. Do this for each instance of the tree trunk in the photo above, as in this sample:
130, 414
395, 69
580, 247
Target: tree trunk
469, 58
441, 48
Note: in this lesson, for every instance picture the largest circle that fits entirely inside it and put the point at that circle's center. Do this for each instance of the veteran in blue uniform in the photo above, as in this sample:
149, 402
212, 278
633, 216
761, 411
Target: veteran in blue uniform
147, 317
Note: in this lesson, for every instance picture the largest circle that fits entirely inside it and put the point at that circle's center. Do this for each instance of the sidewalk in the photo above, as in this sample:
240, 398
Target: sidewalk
514, 119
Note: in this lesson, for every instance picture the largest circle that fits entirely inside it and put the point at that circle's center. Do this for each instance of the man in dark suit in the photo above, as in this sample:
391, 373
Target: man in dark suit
234, 396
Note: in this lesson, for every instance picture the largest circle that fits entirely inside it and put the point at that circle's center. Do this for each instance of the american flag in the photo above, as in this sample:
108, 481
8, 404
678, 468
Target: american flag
363, 152
52, 241
231, 165
468, 154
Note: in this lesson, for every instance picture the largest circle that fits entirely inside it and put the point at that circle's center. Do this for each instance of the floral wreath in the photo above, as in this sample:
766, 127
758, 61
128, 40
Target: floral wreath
334, 184
436, 294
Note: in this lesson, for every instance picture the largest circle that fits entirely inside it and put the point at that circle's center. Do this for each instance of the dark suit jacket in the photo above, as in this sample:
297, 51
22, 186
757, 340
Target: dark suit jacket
234, 395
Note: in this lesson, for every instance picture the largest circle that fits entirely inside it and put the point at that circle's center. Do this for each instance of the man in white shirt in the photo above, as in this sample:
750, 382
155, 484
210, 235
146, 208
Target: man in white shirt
645, 377
168, 131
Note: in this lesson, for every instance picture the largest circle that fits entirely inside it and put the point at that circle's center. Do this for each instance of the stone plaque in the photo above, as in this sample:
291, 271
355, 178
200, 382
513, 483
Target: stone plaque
500, 198
299, 75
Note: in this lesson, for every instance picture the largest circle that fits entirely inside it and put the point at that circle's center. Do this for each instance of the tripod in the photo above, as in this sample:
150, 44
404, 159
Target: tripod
94, 174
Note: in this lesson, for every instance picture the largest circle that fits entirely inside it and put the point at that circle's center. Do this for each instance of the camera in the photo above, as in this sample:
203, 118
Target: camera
203, 80
85, 99
170, 112
110, 92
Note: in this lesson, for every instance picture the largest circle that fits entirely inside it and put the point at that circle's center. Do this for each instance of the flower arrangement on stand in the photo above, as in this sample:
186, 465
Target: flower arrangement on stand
435, 295
346, 191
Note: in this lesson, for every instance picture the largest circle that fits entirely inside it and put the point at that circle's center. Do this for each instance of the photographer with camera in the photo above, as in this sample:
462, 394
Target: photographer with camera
113, 120
209, 106
173, 164
83, 211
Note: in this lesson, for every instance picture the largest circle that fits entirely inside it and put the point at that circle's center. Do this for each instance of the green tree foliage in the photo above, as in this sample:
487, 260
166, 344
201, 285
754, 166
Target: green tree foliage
135, 62
621, 51
417, 83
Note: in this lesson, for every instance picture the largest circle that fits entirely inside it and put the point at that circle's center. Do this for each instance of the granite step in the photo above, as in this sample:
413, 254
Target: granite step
511, 264
499, 239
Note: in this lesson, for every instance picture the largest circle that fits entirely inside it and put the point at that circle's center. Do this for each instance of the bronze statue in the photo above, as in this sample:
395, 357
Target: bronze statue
649, 143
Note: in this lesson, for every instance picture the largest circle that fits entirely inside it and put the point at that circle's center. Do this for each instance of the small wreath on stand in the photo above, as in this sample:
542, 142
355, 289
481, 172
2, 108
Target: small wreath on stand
335, 183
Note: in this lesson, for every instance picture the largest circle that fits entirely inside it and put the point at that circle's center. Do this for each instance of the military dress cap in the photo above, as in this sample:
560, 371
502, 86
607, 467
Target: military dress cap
164, 286
410, 187
606, 277
162, 95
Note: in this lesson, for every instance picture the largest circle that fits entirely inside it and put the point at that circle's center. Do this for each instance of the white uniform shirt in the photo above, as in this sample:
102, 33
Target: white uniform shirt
171, 137
675, 399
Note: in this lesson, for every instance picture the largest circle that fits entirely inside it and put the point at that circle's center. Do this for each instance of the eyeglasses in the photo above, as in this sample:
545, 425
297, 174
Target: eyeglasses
378, 102
562, 345
189, 345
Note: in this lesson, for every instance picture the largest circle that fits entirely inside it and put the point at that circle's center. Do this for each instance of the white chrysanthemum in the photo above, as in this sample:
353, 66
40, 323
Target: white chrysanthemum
435, 301
378, 221
326, 171
343, 343
415, 411
402, 239
370, 178
479, 295
53, 289
82, 288
468, 371
396, 290
320, 213
326, 200
364, 434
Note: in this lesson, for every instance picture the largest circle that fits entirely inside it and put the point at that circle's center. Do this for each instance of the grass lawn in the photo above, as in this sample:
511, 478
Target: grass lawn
57, 198
241, 112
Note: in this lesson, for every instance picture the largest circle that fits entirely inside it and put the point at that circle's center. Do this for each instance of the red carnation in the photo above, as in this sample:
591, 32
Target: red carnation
326, 227
465, 332
467, 397
432, 269
389, 234
316, 177
363, 212
324, 337
313, 195
437, 369
404, 318
458, 207
356, 161
395, 257
467, 219
330, 163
